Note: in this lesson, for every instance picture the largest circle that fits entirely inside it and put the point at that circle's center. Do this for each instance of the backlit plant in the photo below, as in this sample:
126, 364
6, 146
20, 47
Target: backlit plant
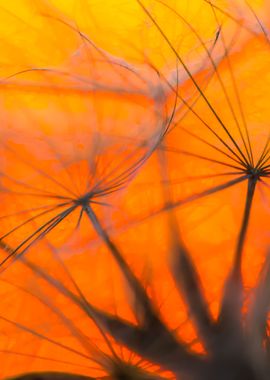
134, 190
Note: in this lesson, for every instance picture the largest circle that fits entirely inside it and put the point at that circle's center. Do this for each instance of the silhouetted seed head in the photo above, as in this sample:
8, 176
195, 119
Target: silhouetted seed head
235, 342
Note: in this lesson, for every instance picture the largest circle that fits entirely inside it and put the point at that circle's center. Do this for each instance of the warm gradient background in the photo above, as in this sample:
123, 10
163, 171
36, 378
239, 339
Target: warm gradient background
87, 88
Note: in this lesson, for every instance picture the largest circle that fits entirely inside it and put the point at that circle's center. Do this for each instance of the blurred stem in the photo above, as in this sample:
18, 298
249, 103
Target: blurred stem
151, 339
244, 226
183, 269
51, 376
232, 302
114, 250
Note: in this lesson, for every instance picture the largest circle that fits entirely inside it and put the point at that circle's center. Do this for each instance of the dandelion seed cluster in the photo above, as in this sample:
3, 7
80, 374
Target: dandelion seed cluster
134, 189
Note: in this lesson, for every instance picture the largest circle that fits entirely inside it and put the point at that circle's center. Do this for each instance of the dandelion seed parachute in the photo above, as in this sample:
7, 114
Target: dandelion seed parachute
45, 150
95, 137
206, 167
94, 134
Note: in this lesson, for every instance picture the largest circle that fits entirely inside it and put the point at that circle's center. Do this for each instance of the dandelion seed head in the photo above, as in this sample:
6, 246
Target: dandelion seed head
177, 124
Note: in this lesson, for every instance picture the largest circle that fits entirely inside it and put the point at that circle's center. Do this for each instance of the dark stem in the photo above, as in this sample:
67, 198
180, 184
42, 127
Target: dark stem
244, 226
230, 320
150, 338
51, 376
